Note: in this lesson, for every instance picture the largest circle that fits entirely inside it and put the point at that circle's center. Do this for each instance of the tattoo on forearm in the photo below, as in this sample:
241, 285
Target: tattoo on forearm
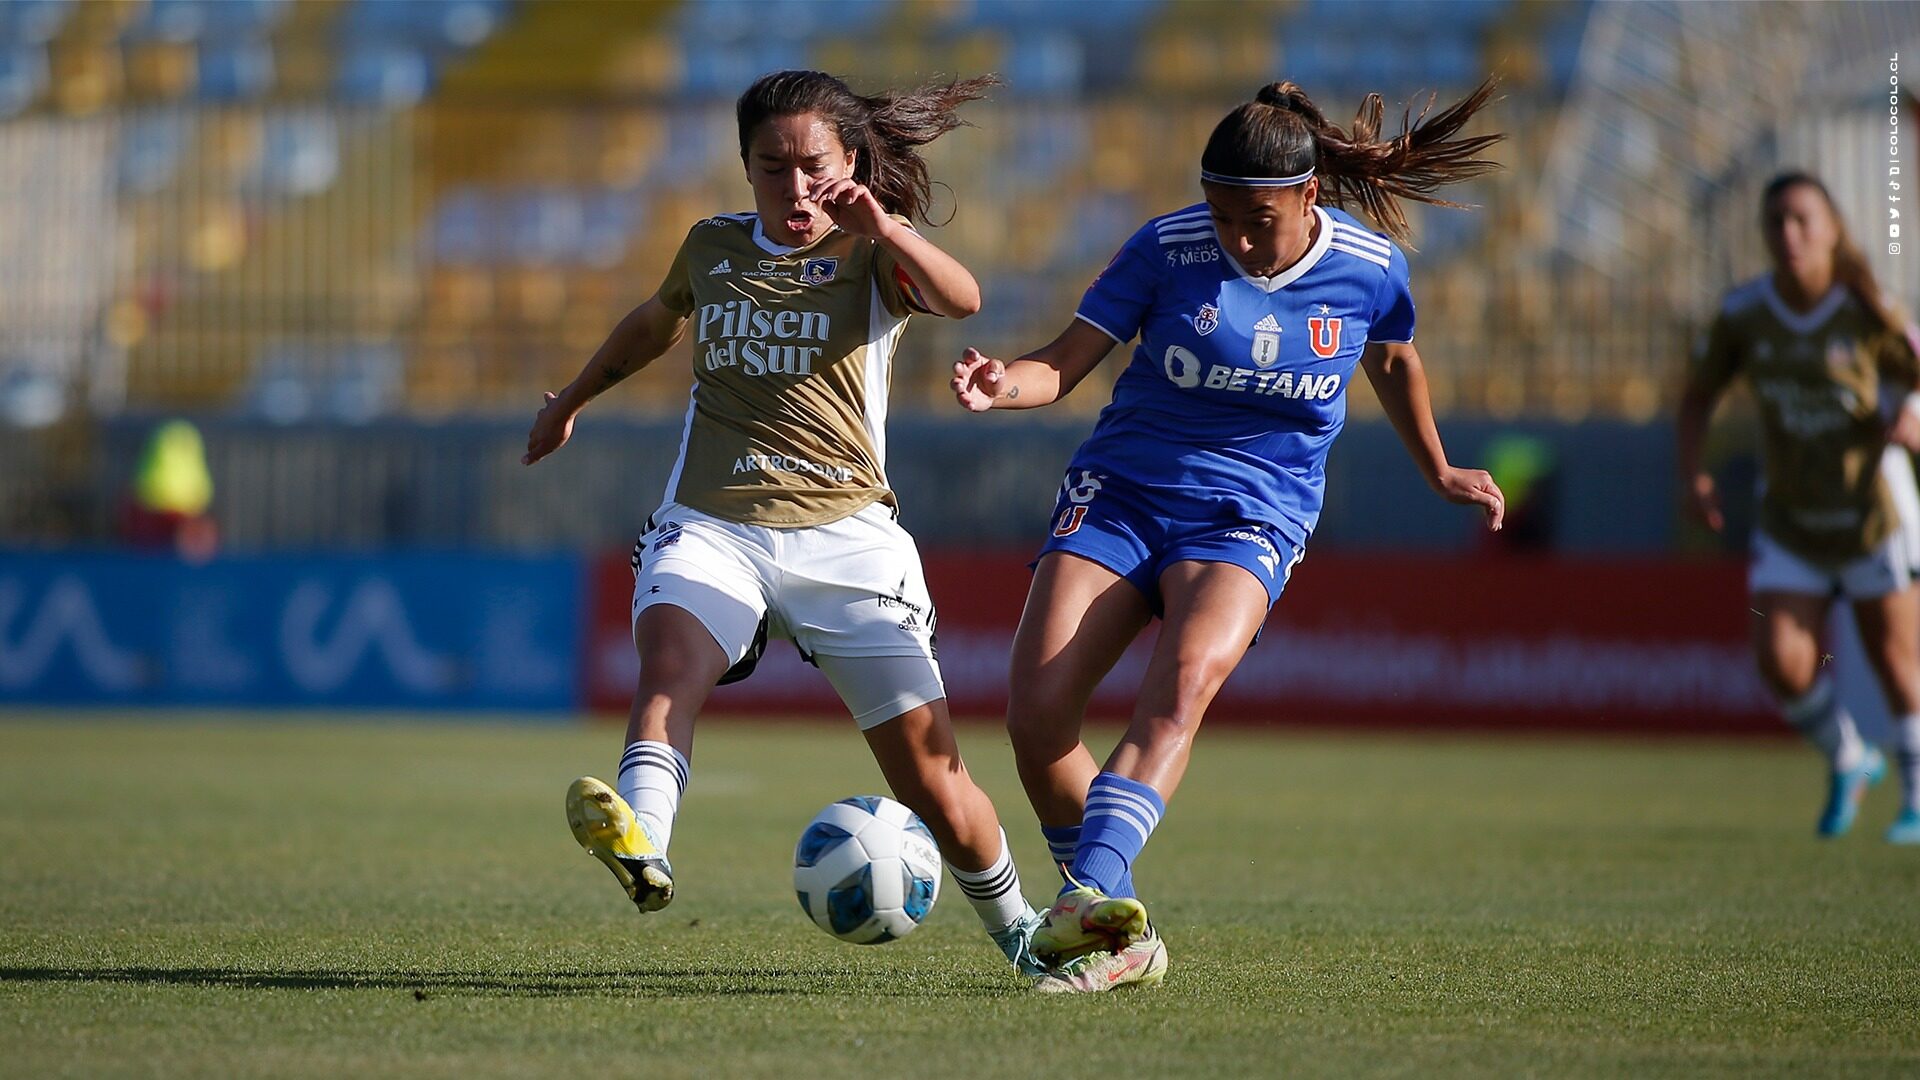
1013, 392
611, 373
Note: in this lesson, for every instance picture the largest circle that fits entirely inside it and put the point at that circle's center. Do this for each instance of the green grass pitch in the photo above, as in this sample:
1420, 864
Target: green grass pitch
382, 897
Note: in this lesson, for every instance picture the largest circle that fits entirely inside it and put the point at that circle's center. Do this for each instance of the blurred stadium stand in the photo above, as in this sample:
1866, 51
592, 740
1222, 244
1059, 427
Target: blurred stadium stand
334, 213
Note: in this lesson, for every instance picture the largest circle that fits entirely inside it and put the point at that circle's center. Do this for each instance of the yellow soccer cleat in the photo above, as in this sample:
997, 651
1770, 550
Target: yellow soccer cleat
604, 824
1085, 920
1143, 963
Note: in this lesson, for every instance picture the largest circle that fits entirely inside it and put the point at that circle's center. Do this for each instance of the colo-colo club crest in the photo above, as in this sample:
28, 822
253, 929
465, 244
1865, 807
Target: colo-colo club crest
818, 271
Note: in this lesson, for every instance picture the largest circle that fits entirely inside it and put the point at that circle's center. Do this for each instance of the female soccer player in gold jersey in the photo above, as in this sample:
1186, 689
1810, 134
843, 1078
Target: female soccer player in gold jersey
1822, 350
778, 520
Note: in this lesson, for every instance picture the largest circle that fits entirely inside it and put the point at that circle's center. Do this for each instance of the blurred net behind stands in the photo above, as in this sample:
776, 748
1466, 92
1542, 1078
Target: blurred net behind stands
338, 213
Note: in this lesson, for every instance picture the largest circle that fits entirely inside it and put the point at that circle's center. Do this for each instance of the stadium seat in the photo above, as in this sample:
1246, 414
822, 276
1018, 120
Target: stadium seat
1046, 63
391, 75
32, 22
301, 153
609, 220
150, 149
543, 225
238, 72
440, 25
237, 20
23, 77
298, 381
461, 227
178, 21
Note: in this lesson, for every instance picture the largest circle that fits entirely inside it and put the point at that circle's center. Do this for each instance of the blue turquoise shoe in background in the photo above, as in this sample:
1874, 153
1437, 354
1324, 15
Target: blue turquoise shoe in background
1846, 791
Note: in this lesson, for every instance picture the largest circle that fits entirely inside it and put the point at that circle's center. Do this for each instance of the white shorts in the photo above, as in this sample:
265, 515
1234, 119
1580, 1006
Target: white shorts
1885, 570
851, 588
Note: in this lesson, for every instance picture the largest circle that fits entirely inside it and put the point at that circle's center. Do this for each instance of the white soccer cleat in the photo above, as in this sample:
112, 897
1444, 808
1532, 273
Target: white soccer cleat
1143, 963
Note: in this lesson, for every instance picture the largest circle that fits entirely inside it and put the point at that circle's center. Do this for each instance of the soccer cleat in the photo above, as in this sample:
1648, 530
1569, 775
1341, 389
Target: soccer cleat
1905, 828
1845, 791
1016, 942
1085, 920
1143, 963
604, 824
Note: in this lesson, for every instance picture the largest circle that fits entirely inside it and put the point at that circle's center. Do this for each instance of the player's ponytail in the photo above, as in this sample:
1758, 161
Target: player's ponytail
883, 130
1850, 267
1282, 133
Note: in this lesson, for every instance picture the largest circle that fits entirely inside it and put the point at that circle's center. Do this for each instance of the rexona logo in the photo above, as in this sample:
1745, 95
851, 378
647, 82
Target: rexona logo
741, 334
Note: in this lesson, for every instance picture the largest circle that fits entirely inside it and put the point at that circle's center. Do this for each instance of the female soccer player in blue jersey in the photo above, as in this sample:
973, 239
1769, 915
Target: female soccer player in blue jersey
1194, 497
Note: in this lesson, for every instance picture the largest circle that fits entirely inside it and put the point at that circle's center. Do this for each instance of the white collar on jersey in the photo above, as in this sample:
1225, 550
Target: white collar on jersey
773, 248
1803, 322
1292, 273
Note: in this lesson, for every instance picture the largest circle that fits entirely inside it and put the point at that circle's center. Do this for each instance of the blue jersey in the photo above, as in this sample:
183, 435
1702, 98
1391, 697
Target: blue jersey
1238, 386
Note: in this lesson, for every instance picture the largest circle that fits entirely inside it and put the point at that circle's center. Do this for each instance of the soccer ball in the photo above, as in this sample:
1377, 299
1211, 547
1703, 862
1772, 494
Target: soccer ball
866, 870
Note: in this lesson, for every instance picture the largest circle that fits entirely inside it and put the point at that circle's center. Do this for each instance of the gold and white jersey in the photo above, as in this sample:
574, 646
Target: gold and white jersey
792, 361
1818, 378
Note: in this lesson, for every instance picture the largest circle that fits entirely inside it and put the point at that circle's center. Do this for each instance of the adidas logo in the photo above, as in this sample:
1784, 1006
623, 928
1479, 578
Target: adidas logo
723, 267
1267, 323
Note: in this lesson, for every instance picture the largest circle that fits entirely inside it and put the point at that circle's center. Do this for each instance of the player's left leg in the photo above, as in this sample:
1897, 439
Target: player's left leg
1213, 611
920, 760
855, 597
1890, 635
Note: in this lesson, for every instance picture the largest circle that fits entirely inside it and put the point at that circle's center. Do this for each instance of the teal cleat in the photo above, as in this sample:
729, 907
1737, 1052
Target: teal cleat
1016, 942
1905, 828
1847, 789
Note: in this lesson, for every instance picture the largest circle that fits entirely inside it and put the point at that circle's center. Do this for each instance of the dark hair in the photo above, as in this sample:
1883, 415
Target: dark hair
1281, 132
1849, 265
883, 130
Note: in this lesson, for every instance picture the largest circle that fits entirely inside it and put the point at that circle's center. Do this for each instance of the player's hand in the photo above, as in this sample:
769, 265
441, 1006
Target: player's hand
978, 380
1704, 502
1475, 487
851, 206
1905, 430
551, 430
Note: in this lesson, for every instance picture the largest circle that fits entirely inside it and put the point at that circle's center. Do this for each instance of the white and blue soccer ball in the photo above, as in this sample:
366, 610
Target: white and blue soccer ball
866, 870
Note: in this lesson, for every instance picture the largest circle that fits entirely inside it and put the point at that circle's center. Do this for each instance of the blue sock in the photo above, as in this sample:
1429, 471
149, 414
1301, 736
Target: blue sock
1062, 840
1121, 814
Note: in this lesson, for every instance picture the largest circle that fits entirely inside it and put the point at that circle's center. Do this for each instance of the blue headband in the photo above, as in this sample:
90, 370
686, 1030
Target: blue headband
1256, 181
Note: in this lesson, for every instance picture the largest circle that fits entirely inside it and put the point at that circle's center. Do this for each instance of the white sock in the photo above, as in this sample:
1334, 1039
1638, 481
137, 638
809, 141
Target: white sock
1826, 723
653, 776
995, 891
1906, 750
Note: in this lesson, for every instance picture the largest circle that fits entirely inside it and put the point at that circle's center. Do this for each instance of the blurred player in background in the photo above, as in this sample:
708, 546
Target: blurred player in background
778, 520
1822, 349
1195, 495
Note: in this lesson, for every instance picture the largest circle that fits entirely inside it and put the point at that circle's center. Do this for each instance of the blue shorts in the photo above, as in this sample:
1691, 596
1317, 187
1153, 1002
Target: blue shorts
1106, 520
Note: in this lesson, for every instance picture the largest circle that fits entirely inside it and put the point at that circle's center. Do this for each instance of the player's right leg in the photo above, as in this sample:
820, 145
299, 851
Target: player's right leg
1079, 619
698, 609
1890, 635
1792, 599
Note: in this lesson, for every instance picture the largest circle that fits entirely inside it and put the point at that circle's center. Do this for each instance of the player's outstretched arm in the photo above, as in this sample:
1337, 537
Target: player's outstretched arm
1401, 381
643, 335
1041, 377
